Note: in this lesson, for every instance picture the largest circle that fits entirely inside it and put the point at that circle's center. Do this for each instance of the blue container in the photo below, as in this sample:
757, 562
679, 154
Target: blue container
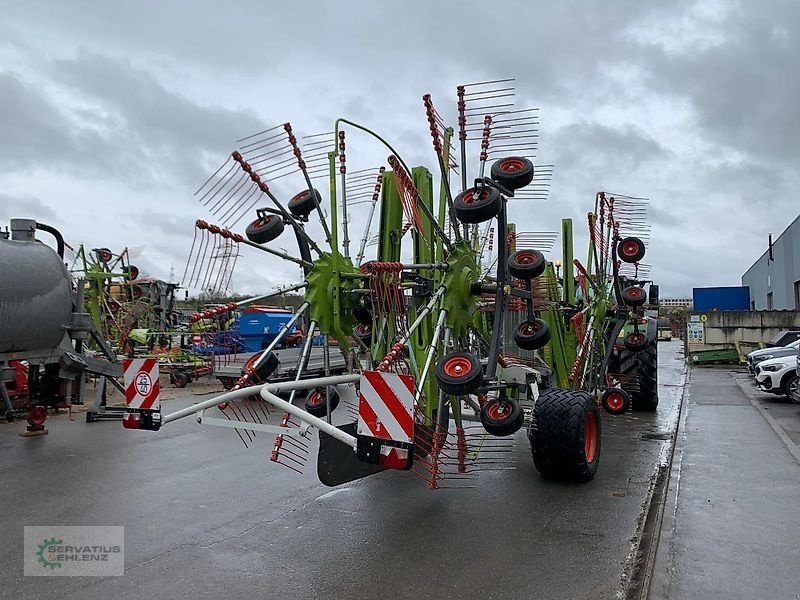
721, 298
258, 327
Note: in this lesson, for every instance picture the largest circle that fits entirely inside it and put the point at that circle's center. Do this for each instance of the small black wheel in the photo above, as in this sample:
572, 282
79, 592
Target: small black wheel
565, 435
132, 271
266, 368
630, 250
459, 373
303, 203
181, 379
363, 333
652, 295
513, 172
526, 264
104, 255
316, 402
616, 401
502, 417
635, 341
634, 296
262, 231
532, 335
363, 314
477, 206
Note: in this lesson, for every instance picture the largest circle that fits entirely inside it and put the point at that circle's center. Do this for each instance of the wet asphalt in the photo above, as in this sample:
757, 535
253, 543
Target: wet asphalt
206, 518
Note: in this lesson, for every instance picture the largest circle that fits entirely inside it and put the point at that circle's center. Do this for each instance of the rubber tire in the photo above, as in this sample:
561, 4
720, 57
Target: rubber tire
470, 211
521, 176
304, 202
526, 264
262, 231
652, 295
321, 410
626, 401
132, 271
634, 296
557, 435
363, 314
643, 366
506, 426
363, 332
462, 384
787, 383
180, 379
636, 342
10, 415
532, 341
104, 255
267, 367
630, 257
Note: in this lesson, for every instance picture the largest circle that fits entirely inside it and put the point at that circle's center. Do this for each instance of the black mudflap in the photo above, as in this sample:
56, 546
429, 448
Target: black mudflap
337, 463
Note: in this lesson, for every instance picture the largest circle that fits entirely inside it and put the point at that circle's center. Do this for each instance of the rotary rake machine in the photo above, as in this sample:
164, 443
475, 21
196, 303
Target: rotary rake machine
424, 324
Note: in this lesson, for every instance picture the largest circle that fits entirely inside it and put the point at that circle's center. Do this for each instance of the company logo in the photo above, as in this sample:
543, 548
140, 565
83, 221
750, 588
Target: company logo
73, 551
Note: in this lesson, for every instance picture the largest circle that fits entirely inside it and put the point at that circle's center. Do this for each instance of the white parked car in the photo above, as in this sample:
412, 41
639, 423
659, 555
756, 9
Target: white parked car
757, 356
778, 376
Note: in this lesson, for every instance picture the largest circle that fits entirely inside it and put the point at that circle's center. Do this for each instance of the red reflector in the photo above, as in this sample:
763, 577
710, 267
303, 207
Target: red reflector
642, 321
394, 458
132, 421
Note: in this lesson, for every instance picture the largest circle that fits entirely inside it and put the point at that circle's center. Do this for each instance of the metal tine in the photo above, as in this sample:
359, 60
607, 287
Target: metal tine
258, 133
250, 157
260, 140
224, 180
479, 83
222, 202
214, 174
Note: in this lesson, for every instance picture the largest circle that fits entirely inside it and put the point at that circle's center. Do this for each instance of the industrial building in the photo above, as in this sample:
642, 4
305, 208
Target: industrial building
774, 279
675, 302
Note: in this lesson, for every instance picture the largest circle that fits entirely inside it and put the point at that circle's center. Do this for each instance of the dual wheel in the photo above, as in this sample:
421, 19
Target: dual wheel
478, 205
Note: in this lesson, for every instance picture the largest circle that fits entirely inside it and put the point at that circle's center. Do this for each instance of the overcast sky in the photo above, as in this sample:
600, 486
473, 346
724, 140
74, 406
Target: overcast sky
113, 113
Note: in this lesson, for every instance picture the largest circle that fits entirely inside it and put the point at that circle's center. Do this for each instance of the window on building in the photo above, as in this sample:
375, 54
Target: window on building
797, 295
769, 301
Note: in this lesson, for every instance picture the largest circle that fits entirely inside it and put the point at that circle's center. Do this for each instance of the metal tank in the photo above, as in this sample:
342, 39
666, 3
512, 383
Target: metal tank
35, 290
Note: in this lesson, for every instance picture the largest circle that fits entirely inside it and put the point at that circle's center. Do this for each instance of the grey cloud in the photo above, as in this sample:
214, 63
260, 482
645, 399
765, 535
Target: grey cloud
24, 207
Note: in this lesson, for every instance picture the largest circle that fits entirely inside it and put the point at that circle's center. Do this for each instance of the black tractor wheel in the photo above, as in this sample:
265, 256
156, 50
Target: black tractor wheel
303, 203
641, 376
502, 417
262, 231
526, 264
635, 341
616, 401
316, 402
634, 296
132, 271
363, 333
477, 206
459, 373
652, 295
565, 435
630, 250
513, 172
532, 335
180, 379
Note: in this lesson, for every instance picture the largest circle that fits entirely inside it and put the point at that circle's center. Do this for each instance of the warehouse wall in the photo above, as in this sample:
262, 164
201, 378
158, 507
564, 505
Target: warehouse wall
747, 326
780, 277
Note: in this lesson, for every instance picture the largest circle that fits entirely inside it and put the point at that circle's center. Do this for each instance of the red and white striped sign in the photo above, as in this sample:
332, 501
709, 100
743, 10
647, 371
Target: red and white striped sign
142, 388
386, 406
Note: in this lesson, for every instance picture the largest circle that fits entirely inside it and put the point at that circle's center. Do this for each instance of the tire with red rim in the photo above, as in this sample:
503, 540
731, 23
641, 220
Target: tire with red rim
459, 373
262, 231
513, 172
636, 341
132, 271
36, 416
477, 205
526, 264
180, 379
104, 254
266, 369
303, 203
630, 250
363, 333
316, 402
502, 417
634, 296
532, 335
616, 401
565, 435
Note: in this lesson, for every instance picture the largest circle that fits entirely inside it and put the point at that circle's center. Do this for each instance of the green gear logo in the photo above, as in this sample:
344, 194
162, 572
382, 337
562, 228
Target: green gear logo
41, 553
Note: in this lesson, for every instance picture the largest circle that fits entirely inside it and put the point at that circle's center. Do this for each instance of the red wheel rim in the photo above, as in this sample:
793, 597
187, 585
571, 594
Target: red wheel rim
498, 411
299, 197
590, 437
635, 338
511, 165
635, 292
527, 257
316, 399
529, 328
469, 199
458, 366
630, 248
37, 415
615, 401
363, 329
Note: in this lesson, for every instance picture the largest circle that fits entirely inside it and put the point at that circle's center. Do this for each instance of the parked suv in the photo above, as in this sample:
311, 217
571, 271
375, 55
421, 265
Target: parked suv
796, 392
778, 376
757, 356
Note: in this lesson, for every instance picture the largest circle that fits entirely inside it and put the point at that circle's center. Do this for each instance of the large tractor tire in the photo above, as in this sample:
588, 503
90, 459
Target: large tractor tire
641, 369
565, 435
